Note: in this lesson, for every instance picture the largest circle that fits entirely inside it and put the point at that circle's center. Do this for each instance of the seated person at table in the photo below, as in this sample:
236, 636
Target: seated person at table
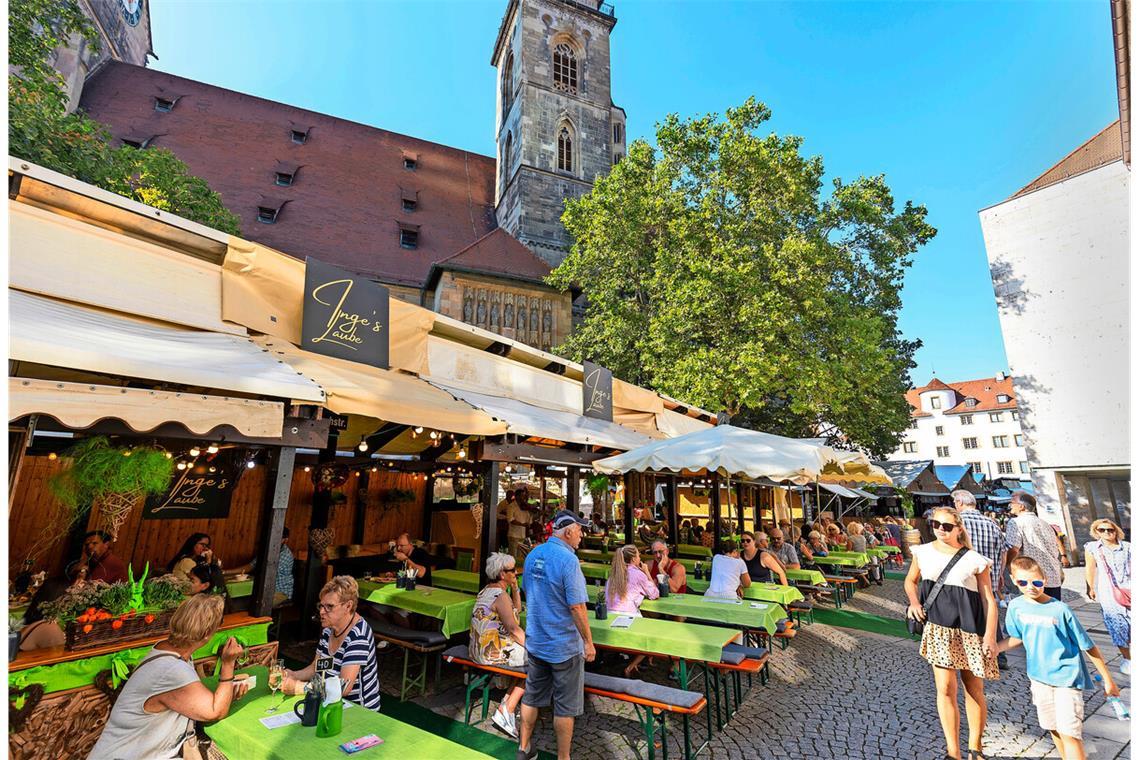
707, 535
156, 710
760, 564
200, 580
836, 538
346, 638
729, 573
102, 564
413, 558
856, 538
628, 586
496, 637
662, 564
783, 550
196, 551
817, 544
37, 632
283, 585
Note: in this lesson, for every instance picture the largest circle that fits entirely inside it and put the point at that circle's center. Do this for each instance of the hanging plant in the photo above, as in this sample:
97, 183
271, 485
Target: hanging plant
110, 479
329, 476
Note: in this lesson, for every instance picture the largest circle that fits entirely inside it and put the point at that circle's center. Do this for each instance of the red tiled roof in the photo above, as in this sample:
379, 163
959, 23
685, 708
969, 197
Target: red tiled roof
499, 253
985, 391
346, 203
1102, 148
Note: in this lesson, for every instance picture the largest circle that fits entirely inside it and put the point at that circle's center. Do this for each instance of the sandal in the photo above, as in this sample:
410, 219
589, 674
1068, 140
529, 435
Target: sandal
975, 754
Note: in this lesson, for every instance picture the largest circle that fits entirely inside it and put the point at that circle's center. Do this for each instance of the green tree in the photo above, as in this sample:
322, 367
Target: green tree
718, 271
41, 130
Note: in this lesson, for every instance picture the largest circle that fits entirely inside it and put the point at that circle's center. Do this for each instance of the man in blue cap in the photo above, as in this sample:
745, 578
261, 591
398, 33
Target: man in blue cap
558, 641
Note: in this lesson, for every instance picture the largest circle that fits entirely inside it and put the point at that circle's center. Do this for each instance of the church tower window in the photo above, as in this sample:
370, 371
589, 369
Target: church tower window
565, 150
506, 167
565, 68
508, 83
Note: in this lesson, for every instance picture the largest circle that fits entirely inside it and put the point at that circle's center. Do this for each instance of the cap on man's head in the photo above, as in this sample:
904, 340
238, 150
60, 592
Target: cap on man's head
564, 518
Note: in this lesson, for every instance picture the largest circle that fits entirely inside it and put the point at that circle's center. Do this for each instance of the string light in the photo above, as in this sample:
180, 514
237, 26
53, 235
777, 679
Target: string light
418, 430
127, 452
433, 435
308, 469
53, 456
363, 445
181, 465
374, 469
195, 451
212, 448
250, 464
169, 455
213, 469
462, 454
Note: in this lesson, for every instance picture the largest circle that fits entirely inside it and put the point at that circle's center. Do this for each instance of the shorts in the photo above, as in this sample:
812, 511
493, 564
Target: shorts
1059, 709
562, 682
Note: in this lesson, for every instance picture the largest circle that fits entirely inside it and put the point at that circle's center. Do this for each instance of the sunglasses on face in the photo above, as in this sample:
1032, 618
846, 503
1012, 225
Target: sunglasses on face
939, 525
1106, 530
1036, 584
746, 540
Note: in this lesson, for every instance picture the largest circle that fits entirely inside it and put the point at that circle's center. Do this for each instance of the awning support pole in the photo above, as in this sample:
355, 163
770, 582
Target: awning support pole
573, 487
489, 498
276, 502
319, 520
714, 503
672, 510
627, 483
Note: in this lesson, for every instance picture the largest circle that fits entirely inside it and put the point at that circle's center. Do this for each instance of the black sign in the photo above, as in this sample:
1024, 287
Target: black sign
337, 421
344, 316
202, 490
597, 392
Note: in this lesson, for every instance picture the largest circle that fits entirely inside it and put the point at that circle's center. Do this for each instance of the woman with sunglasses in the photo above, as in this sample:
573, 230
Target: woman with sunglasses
960, 635
1108, 573
496, 636
347, 641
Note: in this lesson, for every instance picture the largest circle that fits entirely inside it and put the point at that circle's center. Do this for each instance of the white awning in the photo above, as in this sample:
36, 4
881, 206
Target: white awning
61, 334
864, 494
530, 420
839, 490
81, 405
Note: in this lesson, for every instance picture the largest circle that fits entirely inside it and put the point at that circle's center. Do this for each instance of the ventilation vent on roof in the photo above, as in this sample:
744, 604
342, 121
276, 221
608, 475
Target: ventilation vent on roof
267, 214
165, 104
409, 235
409, 199
284, 179
411, 160
299, 136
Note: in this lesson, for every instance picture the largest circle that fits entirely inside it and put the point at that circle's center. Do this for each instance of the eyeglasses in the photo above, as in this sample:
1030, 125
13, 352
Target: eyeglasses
746, 540
511, 570
203, 543
329, 607
1036, 584
939, 525
1106, 529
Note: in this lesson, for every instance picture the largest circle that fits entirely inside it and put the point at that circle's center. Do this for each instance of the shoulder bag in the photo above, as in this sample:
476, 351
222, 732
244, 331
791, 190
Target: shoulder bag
915, 626
1122, 596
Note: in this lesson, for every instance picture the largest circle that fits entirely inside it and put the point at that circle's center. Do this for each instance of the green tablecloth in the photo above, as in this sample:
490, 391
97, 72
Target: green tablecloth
241, 735
663, 637
235, 589
811, 576
692, 550
452, 607
883, 551
81, 672
456, 580
741, 614
595, 570
761, 592
594, 555
838, 560
858, 556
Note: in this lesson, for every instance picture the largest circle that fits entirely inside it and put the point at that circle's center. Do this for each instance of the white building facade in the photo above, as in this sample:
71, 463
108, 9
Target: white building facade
974, 422
1058, 253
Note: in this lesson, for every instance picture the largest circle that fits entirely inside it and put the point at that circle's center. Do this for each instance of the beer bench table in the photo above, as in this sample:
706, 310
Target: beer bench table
451, 607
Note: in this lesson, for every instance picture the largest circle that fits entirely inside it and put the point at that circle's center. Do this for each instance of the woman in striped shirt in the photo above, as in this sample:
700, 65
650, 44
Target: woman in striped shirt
347, 641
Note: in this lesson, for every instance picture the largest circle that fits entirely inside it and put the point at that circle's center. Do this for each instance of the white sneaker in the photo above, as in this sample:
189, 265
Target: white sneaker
1126, 667
505, 722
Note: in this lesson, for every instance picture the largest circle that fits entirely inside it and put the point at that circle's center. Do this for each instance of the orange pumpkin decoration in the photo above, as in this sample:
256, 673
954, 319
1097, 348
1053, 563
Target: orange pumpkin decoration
87, 628
117, 624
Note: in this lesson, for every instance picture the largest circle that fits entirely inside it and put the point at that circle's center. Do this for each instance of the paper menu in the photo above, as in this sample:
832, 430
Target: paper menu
280, 720
622, 621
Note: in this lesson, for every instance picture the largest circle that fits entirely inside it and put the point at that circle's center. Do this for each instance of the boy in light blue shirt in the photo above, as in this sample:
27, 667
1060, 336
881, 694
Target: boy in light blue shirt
1054, 640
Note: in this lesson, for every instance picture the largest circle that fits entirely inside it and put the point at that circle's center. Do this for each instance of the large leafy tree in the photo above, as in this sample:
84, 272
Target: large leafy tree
717, 270
41, 130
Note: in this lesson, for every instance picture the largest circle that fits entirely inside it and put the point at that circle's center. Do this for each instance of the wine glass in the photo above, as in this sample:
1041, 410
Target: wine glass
276, 680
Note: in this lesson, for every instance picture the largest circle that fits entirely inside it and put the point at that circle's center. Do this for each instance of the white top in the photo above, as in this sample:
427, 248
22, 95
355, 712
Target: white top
515, 512
964, 574
726, 572
131, 732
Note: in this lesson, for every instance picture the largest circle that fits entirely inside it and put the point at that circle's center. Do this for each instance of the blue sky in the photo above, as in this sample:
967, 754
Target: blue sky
959, 104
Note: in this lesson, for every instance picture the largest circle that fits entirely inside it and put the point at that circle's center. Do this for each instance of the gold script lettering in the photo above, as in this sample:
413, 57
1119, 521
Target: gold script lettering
341, 327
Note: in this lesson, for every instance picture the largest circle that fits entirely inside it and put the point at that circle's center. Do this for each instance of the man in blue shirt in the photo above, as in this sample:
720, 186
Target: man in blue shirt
1054, 640
558, 641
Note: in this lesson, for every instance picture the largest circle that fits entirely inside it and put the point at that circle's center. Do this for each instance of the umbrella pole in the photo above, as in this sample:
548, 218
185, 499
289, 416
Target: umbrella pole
714, 502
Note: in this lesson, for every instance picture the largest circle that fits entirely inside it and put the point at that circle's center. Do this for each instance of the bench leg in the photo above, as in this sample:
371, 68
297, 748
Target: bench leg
404, 678
477, 682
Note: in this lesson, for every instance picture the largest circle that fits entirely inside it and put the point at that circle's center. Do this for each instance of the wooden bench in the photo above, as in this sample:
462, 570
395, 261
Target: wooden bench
738, 660
809, 589
802, 609
652, 713
414, 643
845, 583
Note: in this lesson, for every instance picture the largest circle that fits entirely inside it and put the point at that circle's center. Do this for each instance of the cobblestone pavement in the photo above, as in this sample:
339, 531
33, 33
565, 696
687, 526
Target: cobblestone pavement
835, 694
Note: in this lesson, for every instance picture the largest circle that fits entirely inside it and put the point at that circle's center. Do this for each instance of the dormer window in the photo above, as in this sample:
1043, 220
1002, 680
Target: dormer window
299, 136
408, 204
409, 235
284, 179
935, 402
1003, 398
409, 199
164, 105
971, 402
267, 214
409, 163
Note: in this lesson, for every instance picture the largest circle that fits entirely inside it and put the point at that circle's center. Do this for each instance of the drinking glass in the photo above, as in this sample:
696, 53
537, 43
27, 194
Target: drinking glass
276, 680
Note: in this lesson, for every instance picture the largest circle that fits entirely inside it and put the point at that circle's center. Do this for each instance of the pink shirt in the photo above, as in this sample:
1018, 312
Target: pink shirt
638, 588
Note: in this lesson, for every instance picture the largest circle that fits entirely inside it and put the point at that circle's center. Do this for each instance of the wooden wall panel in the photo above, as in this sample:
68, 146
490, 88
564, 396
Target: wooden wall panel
383, 522
31, 517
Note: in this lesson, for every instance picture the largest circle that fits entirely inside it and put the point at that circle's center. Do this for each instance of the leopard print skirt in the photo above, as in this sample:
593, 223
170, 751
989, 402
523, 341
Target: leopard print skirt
955, 649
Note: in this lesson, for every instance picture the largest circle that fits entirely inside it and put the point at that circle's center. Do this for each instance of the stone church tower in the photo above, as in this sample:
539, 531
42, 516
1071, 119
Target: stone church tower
557, 127
123, 29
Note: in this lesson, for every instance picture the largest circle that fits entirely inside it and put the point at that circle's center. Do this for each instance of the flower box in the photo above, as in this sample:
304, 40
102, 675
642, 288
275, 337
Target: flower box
91, 634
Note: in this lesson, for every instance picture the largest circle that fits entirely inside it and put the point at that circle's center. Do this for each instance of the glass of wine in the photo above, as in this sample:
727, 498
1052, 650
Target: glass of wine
276, 680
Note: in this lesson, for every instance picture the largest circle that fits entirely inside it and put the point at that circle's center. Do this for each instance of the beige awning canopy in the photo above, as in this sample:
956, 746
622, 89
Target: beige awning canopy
81, 405
62, 334
383, 394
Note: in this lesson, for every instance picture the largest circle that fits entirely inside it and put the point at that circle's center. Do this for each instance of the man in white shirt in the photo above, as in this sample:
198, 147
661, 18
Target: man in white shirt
519, 518
1028, 535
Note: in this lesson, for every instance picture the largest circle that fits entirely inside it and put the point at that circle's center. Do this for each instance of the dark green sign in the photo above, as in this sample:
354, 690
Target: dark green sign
345, 315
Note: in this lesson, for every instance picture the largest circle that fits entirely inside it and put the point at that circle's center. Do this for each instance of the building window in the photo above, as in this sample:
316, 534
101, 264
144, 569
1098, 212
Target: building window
508, 148
164, 105
408, 204
1005, 468
971, 402
1024, 467
935, 402
617, 134
1001, 441
617, 157
267, 214
938, 430
969, 443
410, 163
914, 424
299, 136
1018, 440
995, 416
565, 69
1014, 415
909, 447
967, 419
285, 179
565, 150
507, 83
1003, 398
976, 467
943, 451
409, 237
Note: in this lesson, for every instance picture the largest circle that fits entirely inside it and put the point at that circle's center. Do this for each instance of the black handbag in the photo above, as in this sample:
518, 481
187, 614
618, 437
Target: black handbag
914, 626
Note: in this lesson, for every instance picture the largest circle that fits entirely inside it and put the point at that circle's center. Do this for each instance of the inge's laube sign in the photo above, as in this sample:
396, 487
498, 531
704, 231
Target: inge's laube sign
345, 316
597, 392
203, 490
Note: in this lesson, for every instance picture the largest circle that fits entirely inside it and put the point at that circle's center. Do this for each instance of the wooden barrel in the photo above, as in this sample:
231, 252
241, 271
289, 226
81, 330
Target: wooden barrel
910, 537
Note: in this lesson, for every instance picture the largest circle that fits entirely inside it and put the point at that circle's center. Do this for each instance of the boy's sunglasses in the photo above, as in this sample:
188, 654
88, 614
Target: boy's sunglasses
1036, 584
939, 525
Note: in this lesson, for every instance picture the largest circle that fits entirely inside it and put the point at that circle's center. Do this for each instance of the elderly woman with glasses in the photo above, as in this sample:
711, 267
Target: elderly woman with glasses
496, 637
1108, 573
347, 640
961, 621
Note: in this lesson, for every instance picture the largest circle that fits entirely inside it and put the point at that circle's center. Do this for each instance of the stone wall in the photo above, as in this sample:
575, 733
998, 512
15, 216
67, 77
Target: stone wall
118, 40
531, 314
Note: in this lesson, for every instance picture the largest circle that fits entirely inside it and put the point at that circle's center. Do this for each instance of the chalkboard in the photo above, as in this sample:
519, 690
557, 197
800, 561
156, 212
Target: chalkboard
198, 493
344, 315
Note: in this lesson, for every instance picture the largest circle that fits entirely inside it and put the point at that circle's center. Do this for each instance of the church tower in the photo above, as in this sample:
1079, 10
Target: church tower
123, 30
557, 127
